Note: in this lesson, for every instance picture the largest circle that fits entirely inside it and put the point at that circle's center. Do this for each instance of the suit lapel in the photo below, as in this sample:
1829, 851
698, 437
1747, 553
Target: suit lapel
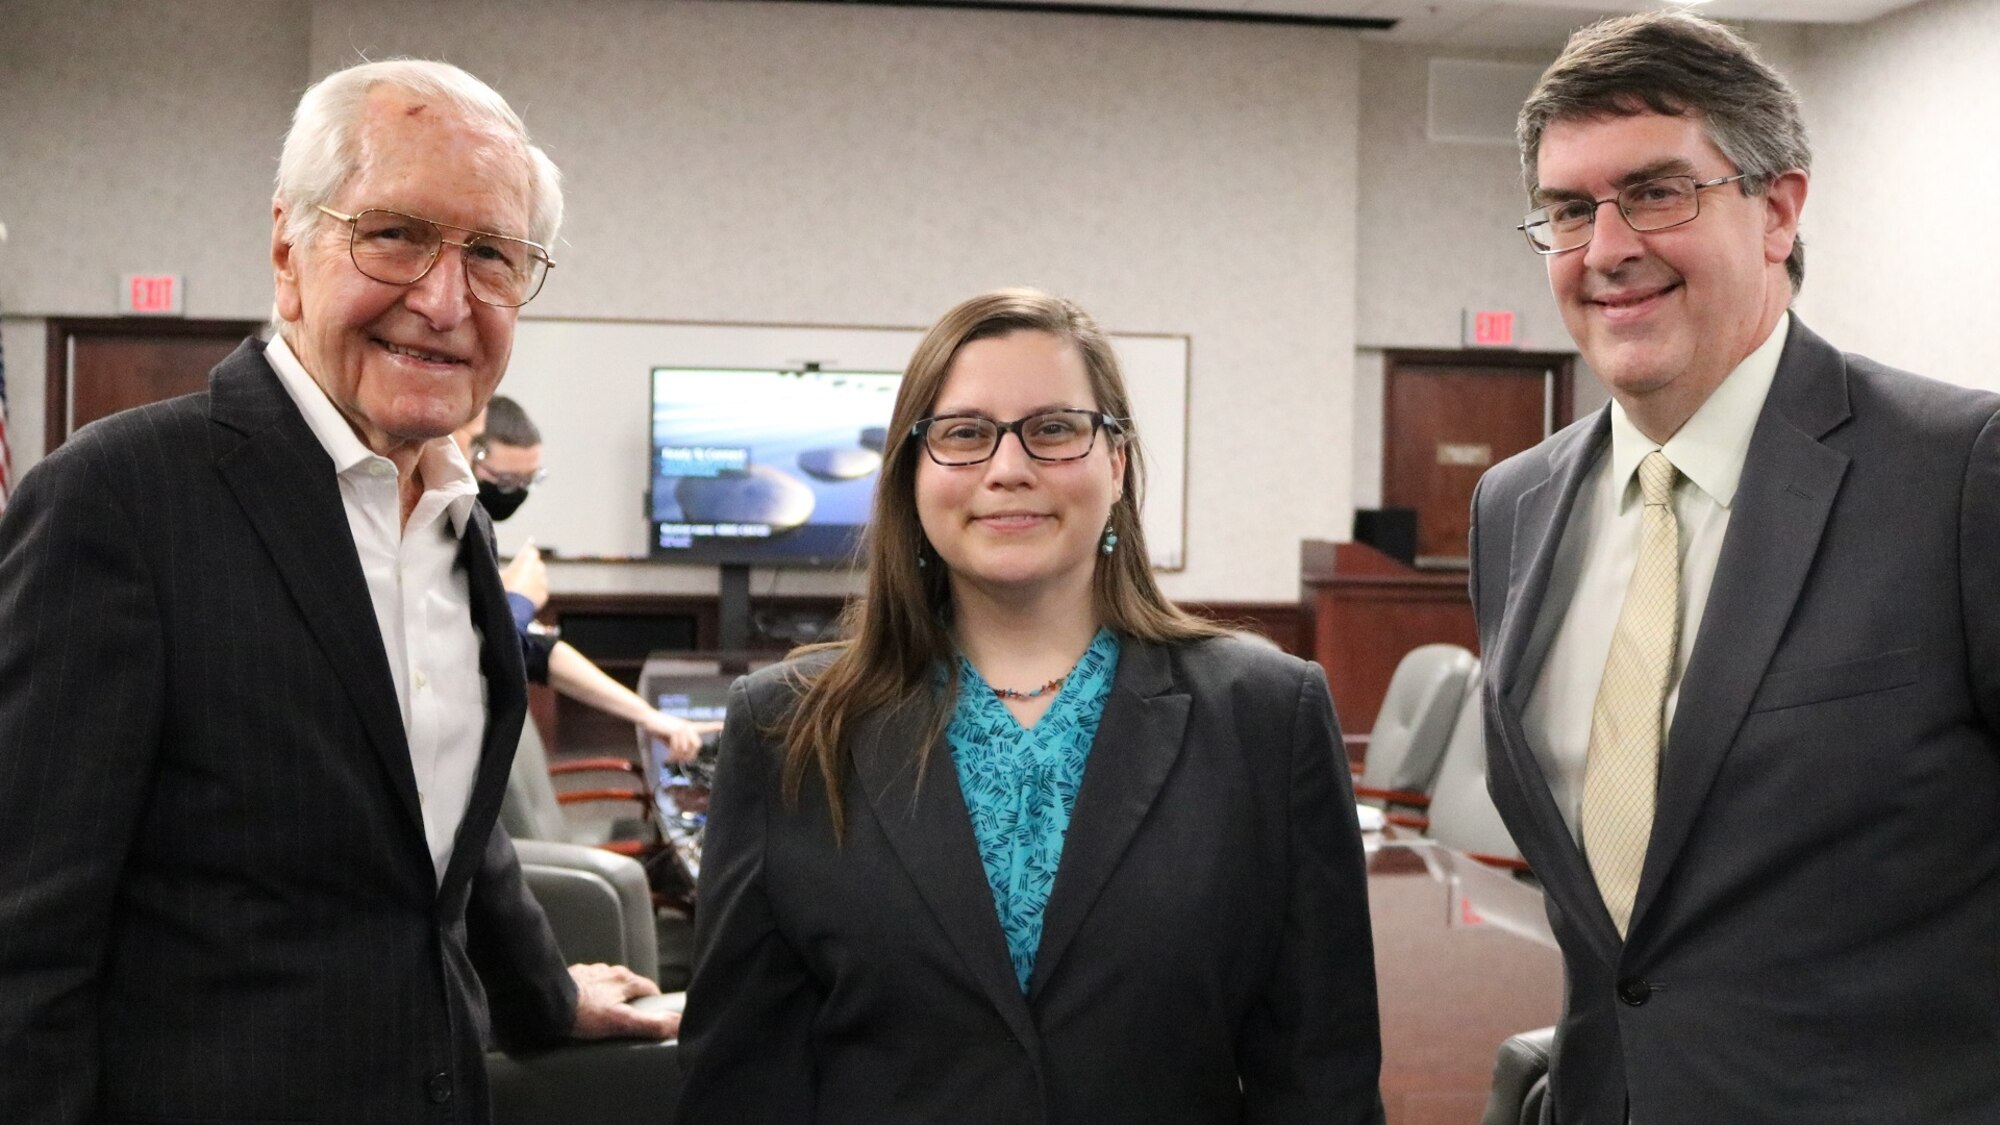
1790, 481
1540, 517
506, 695
281, 476
930, 831
1138, 741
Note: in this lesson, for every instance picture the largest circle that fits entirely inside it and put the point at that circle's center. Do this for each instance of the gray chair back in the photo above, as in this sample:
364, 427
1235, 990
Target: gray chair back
598, 904
530, 810
1410, 731
1462, 814
1520, 1079
600, 909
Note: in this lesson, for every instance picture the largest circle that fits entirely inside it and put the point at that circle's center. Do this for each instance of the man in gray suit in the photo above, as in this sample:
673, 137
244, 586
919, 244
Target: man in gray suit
259, 687
1743, 633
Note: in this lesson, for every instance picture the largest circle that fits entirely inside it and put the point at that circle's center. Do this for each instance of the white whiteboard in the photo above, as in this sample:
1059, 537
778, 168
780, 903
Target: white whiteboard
586, 383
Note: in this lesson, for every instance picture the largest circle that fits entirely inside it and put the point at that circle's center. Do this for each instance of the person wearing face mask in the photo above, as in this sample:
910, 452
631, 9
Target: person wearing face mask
504, 448
1032, 844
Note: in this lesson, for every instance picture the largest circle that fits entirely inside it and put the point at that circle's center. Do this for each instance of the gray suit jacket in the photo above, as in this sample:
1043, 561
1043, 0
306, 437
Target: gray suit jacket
1206, 955
1814, 939
216, 899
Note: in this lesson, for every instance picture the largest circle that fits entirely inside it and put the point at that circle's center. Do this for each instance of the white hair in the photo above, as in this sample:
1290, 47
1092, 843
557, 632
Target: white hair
322, 151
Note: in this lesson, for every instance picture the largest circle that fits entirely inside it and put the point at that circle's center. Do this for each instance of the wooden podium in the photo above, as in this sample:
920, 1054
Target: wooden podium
1366, 611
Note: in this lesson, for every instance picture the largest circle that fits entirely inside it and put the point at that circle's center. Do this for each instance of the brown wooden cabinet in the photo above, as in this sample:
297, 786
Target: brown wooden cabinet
1366, 611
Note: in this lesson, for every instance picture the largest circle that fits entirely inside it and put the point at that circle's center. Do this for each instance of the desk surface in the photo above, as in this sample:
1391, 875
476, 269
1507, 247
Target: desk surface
1464, 959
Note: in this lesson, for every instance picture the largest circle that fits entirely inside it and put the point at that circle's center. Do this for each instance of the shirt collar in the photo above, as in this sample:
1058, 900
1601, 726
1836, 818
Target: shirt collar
441, 466
1709, 449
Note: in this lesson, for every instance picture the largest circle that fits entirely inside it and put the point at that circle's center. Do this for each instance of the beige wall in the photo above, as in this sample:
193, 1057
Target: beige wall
1901, 240
815, 164
135, 137
1267, 191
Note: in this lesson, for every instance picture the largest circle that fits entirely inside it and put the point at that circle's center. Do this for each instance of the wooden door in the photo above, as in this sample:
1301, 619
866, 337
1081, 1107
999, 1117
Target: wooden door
1447, 418
99, 366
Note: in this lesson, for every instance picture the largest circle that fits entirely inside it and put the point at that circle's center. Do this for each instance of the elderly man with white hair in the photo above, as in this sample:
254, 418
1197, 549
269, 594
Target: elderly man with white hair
260, 683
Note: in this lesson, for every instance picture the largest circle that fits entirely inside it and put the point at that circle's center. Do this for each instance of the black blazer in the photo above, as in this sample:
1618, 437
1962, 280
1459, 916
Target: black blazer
1814, 936
216, 901
1206, 956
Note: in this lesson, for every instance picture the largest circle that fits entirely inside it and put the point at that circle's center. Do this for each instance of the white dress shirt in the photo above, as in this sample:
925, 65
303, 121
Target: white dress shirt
1600, 546
423, 603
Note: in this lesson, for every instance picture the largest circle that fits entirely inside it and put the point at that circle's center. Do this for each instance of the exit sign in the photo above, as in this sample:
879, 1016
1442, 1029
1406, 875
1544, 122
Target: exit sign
1489, 328
151, 294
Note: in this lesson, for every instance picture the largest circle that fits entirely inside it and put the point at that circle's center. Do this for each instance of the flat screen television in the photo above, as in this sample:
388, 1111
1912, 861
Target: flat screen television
765, 467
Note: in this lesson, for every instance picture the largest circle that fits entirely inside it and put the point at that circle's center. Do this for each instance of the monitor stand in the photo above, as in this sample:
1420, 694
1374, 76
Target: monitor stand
733, 608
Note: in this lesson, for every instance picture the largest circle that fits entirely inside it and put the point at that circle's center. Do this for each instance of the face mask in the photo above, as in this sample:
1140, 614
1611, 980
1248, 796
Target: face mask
498, 502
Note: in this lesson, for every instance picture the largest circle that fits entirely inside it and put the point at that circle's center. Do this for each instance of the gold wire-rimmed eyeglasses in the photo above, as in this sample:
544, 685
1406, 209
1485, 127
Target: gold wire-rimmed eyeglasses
398, 249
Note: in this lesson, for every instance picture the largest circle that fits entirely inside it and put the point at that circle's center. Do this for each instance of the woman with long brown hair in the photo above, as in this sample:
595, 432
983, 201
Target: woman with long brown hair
1032, 844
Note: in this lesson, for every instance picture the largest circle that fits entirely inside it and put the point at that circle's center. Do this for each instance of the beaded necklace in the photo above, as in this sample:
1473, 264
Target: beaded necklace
1012, 693
1032, 693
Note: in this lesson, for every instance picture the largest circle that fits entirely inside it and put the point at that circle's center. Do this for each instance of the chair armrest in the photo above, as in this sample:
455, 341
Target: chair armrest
577, 796
1394, 796
1503, 862
1520, 1077
589, 765
1406, 820
620, 1080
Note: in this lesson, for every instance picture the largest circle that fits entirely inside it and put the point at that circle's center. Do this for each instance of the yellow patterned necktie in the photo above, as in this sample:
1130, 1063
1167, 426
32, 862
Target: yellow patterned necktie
1621, 777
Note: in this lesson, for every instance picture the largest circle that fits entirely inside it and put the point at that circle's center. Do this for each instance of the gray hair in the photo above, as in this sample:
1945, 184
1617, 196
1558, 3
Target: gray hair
1676, 64
322, 152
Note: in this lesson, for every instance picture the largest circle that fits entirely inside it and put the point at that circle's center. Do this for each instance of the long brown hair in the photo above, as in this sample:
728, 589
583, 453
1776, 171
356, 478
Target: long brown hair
898, 632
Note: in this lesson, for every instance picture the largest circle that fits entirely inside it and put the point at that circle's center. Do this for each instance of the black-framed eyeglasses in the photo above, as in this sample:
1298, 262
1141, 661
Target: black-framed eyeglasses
1051, 435
505, 482
398, 249
1652, 205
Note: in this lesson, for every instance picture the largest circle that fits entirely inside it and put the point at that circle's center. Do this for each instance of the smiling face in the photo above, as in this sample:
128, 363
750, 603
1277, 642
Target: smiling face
1663, 317
1012, 525
405, 364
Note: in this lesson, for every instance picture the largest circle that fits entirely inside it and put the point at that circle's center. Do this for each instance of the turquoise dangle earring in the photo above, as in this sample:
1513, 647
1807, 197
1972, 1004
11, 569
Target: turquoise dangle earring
1110, 539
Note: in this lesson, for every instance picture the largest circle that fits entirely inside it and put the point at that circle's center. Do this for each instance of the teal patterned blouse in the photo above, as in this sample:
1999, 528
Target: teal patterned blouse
1020, 786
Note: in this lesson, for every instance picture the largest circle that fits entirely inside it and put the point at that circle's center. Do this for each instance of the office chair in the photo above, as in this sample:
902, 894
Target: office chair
1461, 815
597, 901
600, 909
1520, 1079
1410, 731
533, 810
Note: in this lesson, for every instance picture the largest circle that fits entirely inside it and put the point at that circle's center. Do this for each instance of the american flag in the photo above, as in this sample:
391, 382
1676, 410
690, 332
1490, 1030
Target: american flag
6, 457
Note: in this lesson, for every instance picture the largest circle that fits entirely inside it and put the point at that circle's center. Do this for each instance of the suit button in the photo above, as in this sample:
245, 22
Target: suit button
439, 1087
1634, 991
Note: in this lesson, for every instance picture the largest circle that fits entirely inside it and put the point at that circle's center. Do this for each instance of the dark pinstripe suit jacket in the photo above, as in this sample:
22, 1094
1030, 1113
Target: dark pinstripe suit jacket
216, 901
